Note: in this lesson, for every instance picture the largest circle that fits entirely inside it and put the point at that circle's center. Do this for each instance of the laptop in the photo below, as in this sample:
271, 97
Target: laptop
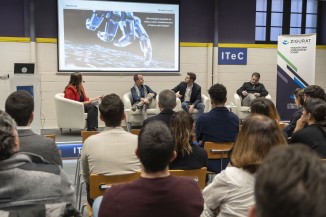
24, 68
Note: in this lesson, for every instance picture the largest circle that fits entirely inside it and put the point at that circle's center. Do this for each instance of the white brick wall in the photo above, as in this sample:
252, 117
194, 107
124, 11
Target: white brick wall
196, 59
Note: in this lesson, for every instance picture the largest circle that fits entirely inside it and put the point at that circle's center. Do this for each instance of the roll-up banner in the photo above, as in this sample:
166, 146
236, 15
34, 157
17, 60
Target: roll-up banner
296, 56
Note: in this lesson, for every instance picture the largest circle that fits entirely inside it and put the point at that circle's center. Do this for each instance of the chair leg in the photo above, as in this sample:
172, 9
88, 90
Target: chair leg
77, 172
80, 194
82, 209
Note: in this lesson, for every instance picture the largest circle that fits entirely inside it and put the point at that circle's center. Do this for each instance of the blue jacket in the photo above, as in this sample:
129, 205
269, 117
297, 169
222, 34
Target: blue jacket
217, 125
135, 97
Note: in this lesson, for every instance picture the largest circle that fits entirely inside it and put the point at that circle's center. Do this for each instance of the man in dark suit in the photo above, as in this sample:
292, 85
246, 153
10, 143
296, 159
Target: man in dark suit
190, 94
251, 90
20, 106
166, 103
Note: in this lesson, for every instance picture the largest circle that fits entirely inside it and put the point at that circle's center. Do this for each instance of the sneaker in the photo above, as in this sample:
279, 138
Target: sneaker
134, 108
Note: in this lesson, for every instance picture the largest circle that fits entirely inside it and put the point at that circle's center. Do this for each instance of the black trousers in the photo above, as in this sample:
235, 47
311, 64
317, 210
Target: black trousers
92, 116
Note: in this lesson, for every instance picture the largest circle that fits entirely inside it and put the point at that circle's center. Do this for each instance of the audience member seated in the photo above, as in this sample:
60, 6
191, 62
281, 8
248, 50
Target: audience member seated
289, 183
189, 93
20, 105
311, 127
75, 91
26, 179
298, 99
111, 152
166, 103
265, 107
217, 125
313, 92
232, 191
156, 192
252, 89
142, 95
189, 156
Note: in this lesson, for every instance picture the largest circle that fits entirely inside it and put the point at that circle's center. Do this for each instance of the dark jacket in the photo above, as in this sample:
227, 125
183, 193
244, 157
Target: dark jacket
293, 122
195, 92
40, 145
250, 88
195, 160
164, 116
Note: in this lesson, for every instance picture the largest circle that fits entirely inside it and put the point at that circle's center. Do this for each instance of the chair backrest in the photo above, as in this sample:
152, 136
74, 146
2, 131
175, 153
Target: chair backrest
199, 175
86, 134
70, 113
207, 102
99, 183
52, 136
218, 150
281, 125
135, 131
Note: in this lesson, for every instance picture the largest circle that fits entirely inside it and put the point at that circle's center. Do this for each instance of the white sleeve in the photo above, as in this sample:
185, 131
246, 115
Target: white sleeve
216, 192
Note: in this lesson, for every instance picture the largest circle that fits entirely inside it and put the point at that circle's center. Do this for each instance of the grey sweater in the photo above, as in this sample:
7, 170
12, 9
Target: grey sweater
26, 179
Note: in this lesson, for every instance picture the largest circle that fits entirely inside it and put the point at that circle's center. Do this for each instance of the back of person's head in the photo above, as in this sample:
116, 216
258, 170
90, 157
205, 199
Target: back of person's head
265, 107
256, 74
218, 93
181, 127
258, 135
76, 79
112, 110
317, 109
192, 76
291, 183
167, 99
314, 91
298, 93
7, 137
155, 146
20, 105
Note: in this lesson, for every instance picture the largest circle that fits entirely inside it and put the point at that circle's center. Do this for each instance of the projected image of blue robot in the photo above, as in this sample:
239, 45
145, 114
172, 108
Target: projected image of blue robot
129, 25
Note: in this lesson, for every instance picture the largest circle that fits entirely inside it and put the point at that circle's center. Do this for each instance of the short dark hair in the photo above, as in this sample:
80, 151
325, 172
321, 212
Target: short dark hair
7, 139
290, 182
314, 91
136, 77
167, 99
218, 93
155, 146
112, 109
20, 105
256, 74
192, 75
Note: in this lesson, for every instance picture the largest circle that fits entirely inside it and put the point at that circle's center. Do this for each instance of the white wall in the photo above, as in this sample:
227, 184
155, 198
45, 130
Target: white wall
196, 59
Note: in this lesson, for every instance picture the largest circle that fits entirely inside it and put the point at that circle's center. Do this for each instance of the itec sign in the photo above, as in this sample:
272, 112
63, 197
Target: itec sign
232, 56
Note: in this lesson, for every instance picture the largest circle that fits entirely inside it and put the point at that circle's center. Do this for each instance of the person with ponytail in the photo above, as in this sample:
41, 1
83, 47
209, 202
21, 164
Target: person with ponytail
189, 156
311, 127
75, 91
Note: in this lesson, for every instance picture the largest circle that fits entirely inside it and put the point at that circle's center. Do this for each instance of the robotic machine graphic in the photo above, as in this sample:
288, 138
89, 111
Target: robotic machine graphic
129, 25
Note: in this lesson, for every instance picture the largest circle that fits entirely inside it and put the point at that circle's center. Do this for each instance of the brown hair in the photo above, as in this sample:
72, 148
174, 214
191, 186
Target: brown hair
257, 136
265, 107
181, 126
192, 76
76, 80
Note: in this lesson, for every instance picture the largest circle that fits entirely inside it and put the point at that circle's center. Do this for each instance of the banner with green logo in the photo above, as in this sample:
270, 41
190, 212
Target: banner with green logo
296, 56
